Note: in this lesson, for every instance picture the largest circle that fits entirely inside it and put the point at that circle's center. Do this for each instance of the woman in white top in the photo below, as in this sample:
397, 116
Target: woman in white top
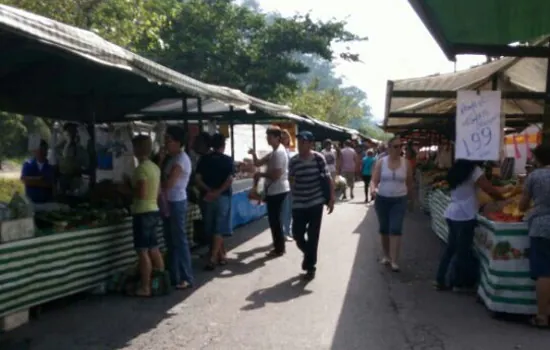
392, 181
464, 178
178, 170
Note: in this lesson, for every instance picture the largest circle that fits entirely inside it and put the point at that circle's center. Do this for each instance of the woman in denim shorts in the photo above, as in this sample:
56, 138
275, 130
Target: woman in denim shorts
392, 182
145, 184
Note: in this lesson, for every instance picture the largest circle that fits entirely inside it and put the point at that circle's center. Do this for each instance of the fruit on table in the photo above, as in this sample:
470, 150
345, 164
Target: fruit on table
483, 198
502, 217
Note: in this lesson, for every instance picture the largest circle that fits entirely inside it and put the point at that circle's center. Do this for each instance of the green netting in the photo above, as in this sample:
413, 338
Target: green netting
488, 21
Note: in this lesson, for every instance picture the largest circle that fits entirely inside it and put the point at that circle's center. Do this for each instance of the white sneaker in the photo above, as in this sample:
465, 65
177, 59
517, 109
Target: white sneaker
289, 239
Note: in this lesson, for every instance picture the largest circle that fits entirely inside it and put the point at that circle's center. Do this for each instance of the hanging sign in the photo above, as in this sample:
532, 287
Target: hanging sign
478, 125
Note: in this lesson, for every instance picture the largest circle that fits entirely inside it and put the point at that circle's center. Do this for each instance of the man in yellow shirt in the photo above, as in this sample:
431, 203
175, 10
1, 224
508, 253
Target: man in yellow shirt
145, 213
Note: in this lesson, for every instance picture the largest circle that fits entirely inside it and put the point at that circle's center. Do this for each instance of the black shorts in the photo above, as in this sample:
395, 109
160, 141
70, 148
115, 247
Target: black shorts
145, 227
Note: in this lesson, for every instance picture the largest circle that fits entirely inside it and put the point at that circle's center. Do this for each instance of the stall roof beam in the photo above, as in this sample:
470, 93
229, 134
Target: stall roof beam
485, 27
450, 117
512, 95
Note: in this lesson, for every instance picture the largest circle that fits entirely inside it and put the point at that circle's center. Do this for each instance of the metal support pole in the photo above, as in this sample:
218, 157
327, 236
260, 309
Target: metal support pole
185, 111
254, 135
546, 113
232, 132
199, 111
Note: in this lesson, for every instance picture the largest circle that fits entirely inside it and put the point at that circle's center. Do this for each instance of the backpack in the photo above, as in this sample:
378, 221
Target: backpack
324, 177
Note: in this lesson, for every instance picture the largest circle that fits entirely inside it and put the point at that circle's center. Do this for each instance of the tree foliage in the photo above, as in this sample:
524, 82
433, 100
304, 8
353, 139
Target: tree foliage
134, 24
332, 105
229, 44
218, 41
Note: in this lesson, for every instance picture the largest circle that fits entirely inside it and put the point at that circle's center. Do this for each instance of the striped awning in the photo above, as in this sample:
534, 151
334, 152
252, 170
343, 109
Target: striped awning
47, 42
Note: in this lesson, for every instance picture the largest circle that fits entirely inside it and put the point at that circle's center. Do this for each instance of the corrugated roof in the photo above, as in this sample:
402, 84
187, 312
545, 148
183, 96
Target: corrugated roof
514, 74
94, 48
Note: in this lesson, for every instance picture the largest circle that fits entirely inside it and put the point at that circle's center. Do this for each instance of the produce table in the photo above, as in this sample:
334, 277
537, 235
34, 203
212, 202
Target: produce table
438, 203
503, 250
41, 269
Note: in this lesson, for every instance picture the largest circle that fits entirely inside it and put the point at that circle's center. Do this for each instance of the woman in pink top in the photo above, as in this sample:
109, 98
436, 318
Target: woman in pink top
348, 165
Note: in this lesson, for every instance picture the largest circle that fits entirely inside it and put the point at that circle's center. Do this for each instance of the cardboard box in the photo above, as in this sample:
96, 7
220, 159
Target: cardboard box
17, 319
15, 230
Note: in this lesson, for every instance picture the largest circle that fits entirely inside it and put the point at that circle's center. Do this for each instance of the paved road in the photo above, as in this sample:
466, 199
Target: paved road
259, 304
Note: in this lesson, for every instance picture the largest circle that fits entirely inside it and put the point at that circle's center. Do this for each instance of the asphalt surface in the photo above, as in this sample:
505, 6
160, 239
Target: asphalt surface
256, 303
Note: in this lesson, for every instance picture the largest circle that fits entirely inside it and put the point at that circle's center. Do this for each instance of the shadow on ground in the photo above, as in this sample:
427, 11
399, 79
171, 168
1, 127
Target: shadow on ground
110, 322
402, 311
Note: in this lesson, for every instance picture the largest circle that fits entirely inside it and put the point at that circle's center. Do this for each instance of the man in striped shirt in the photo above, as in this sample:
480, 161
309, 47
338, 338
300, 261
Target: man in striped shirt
309, 177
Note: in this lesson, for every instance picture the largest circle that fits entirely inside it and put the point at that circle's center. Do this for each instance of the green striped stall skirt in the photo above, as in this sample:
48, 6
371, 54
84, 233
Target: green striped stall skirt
41, 269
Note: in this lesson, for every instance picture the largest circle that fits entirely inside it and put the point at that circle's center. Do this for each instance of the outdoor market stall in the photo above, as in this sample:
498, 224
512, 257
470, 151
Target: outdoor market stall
517, 86
87, 80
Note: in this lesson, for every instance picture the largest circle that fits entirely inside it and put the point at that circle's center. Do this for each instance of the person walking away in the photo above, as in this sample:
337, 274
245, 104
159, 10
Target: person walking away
276, 186
366, 171
214, 176
286, 217
312, 188
392, 183
464, 177
537, 190
145, 185
348, 164
178, 170
330, 157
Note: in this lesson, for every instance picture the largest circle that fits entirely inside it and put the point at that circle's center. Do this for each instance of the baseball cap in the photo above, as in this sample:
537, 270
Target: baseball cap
305, 136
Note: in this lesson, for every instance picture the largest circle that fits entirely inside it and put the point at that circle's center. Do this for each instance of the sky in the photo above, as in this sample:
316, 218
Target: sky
398, 45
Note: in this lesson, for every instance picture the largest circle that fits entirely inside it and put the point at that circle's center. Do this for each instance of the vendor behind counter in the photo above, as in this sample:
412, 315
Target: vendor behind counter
38, 176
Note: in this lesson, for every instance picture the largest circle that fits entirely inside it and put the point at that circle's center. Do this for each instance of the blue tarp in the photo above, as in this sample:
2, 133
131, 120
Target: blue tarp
244, 211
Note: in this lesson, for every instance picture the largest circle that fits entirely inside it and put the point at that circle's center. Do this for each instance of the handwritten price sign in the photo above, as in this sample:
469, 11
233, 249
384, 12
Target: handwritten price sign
478, 128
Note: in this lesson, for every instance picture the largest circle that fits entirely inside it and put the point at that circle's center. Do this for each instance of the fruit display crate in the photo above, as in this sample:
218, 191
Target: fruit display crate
439, 201
505, 284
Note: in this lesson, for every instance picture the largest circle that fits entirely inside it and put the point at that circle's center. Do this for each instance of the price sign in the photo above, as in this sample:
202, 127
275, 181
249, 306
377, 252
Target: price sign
478, 126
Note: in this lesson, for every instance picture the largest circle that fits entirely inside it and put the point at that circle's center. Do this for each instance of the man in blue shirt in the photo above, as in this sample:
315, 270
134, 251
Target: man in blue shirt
38, 176
214, 177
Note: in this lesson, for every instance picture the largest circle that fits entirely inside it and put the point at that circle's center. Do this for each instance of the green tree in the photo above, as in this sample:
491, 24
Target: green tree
135, 24
13, 135
331, 105
228, 44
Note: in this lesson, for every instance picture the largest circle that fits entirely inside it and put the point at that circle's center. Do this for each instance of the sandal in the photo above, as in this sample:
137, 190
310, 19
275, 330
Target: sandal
395, 267
211, 266
184, 286
540, 322
275, 254
140, 293
441, 287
